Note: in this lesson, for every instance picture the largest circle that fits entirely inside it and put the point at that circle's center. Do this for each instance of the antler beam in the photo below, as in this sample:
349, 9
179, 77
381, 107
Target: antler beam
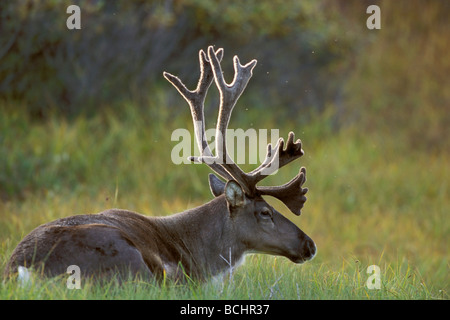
291, 193
196, 100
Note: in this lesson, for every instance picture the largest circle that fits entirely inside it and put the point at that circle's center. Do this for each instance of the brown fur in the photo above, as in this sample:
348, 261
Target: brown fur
196, 242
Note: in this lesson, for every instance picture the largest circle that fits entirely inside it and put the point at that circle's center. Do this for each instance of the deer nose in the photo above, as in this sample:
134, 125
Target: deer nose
309, 249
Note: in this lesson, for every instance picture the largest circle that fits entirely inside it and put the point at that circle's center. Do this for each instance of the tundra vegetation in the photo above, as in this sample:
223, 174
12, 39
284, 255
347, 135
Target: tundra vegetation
85, 124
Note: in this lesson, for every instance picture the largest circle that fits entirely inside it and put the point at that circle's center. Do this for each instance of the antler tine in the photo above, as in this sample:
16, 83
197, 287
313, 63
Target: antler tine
291, 193
206, 74
278, 159
196, 99
229, 94
206, 77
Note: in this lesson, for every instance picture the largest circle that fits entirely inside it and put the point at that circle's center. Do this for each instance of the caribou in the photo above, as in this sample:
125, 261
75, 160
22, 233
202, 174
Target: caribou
198, 243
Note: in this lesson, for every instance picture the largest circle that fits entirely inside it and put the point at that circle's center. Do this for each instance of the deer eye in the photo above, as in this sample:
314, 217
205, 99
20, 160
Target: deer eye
266, 213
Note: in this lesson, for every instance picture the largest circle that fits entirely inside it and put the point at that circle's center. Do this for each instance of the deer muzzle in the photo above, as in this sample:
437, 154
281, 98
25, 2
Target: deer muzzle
306, 251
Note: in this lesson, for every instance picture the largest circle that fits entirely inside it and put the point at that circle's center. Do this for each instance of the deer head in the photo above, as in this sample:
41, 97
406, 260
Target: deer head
256, 223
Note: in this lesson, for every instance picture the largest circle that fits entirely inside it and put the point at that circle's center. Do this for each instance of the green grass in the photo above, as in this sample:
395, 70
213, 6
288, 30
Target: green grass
261, 278
372, 201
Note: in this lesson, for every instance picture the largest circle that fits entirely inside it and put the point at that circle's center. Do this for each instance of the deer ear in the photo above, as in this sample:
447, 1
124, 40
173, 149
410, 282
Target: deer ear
216, 185
234, 194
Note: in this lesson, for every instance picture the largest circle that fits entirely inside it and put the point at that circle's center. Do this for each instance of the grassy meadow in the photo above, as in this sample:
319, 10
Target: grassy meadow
373, 200
86, 120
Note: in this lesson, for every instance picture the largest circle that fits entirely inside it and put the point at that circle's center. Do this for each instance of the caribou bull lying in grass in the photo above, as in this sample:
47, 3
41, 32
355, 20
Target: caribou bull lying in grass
199, 242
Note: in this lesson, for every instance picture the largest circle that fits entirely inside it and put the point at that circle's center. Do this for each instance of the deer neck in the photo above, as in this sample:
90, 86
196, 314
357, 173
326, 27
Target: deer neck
205, 238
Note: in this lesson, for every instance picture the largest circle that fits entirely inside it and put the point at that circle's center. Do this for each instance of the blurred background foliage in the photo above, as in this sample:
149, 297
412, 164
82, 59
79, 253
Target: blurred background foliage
124, 46
315, 58
312, 54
